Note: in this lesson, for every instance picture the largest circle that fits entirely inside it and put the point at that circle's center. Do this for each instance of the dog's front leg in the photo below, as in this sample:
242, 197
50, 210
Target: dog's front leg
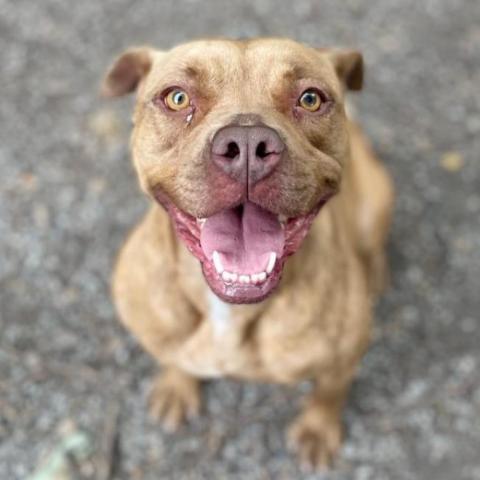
316, 434
174, 398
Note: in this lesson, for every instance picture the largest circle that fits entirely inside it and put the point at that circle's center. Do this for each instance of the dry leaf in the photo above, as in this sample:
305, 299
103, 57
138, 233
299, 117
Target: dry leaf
452, 161
105, 124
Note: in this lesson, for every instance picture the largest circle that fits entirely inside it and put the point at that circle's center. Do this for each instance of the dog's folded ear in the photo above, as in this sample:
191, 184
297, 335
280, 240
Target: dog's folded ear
349, 67
127, 72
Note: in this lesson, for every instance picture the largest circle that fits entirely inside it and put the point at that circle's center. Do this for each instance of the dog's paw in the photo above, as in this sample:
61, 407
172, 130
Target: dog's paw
174, 398
315, 440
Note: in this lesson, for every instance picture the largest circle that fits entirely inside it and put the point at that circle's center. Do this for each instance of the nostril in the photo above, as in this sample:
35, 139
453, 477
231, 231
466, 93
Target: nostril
232, 150
261, 150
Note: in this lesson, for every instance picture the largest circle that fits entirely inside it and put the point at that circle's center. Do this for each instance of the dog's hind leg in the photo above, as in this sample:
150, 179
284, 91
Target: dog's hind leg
373, 194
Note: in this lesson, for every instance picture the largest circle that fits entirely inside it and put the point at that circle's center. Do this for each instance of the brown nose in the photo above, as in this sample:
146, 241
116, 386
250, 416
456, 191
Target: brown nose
247, 154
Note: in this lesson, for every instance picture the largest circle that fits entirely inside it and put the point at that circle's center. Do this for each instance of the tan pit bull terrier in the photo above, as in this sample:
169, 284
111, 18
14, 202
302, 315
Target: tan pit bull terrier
264, 244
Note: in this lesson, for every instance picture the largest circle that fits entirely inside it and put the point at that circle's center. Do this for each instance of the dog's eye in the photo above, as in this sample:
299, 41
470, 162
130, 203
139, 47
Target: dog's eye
310, 100
177, 99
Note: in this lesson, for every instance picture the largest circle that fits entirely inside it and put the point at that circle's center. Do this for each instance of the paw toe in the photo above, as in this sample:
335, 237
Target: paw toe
316, 448
171, 403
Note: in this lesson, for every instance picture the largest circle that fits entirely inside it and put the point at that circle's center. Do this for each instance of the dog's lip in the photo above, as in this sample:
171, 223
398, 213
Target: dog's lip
188, 228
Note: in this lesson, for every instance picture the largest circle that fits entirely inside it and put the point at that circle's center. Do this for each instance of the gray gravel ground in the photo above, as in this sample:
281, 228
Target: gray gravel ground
68, 198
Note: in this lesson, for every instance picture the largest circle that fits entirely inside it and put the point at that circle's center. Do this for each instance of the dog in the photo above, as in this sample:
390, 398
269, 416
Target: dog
264, 246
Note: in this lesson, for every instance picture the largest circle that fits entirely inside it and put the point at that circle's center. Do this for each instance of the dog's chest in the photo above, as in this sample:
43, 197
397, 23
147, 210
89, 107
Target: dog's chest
228, 344
220, 315
218, 348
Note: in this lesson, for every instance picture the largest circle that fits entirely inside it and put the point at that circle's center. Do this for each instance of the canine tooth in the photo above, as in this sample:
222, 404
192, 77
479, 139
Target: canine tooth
217, 262
271, 262
282, 218
261, 277
227, 276
244, 278
233, 277
201, 221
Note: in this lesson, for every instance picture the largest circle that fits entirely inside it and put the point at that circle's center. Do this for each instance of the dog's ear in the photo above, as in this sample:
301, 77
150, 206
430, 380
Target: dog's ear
127, 72
349, 67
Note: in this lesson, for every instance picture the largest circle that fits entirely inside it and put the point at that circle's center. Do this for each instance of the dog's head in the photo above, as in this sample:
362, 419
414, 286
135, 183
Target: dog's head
242, 142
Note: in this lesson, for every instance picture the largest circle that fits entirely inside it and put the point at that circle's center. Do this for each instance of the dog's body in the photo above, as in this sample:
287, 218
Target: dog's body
316, 322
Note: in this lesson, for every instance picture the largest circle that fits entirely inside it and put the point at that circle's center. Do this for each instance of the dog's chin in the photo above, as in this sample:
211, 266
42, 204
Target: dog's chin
242, 249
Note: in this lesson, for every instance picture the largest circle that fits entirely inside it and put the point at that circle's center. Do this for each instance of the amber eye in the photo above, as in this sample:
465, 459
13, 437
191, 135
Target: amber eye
177, 99
310, 100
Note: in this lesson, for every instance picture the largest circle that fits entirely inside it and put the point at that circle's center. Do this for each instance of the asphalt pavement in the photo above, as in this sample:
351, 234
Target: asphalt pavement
68, 197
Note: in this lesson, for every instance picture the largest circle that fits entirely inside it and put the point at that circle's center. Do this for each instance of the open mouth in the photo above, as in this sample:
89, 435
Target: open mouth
242, 249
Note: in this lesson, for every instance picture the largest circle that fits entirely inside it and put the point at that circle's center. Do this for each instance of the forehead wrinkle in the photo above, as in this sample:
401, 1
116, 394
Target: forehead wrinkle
284, 77
203, 60
191, 72
276, 67
295, 72
206, 74
214, 67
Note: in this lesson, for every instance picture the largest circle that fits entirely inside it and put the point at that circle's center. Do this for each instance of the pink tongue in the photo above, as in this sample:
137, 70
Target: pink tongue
244, 237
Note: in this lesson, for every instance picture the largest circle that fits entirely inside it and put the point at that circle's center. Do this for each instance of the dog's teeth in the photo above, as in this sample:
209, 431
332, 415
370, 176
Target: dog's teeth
271, 262
201, 221
229, 277
217, 262
258, 277
261, 277
255, 278
282, 218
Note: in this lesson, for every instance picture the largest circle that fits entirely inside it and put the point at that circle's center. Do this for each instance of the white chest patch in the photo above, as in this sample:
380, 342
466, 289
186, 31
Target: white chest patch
219, 313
